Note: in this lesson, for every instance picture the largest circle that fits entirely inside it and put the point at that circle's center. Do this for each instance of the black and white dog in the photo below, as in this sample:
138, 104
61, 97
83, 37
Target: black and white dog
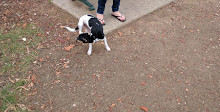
94, 31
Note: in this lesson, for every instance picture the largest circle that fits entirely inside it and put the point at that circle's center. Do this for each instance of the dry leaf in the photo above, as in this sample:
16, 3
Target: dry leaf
120, 34
69, 47
42, 106
33, 78
113, 105
57, 81
150, 76
119, 99
31, 84
110, 109
168, 92
144, 84
58, 73
144, 108
191, 31
40, 59
25, 24
178, 100
61, 40
65, 65
39, 34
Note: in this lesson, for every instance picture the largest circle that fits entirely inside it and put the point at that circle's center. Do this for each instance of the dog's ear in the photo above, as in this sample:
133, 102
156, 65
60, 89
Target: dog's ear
81, 38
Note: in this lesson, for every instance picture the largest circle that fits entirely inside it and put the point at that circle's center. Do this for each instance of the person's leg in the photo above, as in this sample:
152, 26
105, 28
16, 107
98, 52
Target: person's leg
115, 6
101, 6
115, 10
100, 10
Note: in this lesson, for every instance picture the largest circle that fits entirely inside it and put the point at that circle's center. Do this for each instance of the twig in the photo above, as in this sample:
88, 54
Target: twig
28, 51
8, 108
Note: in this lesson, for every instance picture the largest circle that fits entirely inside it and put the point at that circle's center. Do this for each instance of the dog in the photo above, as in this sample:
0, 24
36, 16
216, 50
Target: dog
94, 31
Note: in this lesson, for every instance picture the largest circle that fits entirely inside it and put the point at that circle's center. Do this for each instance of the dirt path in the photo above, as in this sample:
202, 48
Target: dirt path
168, 60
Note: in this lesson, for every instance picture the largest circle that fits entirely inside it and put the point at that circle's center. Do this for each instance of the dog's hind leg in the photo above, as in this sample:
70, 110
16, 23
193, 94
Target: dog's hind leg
80, 26
88, 30
90, 49
106, 44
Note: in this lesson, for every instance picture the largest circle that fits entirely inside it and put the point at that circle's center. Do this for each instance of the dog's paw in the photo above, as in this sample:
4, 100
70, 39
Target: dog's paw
89, 53
108, 49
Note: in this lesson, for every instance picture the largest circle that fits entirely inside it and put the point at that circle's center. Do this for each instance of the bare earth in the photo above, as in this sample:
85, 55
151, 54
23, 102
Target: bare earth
168, 60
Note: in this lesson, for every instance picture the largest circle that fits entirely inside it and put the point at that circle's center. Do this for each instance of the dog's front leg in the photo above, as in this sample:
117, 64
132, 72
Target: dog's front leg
90, 49
106, 44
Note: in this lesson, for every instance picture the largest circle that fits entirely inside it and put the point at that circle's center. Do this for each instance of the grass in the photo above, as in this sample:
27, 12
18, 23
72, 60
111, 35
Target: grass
17, 52
50, 1
10, 96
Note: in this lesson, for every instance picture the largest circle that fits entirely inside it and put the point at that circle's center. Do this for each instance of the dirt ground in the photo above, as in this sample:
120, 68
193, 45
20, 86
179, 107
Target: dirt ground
168, 60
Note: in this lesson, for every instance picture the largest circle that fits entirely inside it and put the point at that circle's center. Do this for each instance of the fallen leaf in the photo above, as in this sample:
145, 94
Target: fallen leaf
64, 66
39, 34
57, 81
144, 108
79, 81
7, 12
191, 31
110, 109
168, 92
42, 106
119, 99
61, 40
33, 78
69, 47
113, 105
40, 59
58, 73
120, 34
68, 38
150, 76
25, 24
31, 85
144, 84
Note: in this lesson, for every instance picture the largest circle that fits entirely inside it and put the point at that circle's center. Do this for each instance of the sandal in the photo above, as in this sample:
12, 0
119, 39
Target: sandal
118, 17
101, 21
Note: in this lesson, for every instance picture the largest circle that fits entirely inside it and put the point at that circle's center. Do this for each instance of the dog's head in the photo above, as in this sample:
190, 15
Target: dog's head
85, 38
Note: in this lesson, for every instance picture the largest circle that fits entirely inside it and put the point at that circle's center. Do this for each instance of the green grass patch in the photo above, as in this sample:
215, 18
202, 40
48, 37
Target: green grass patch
50, 1
18, 49
10, 96
16, 54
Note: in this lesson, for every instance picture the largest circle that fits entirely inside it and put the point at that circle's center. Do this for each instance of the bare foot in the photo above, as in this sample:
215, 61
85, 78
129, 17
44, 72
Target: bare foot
100, 18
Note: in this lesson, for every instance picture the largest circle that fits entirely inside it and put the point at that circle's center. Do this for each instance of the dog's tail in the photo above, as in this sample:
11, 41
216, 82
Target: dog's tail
70, 29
